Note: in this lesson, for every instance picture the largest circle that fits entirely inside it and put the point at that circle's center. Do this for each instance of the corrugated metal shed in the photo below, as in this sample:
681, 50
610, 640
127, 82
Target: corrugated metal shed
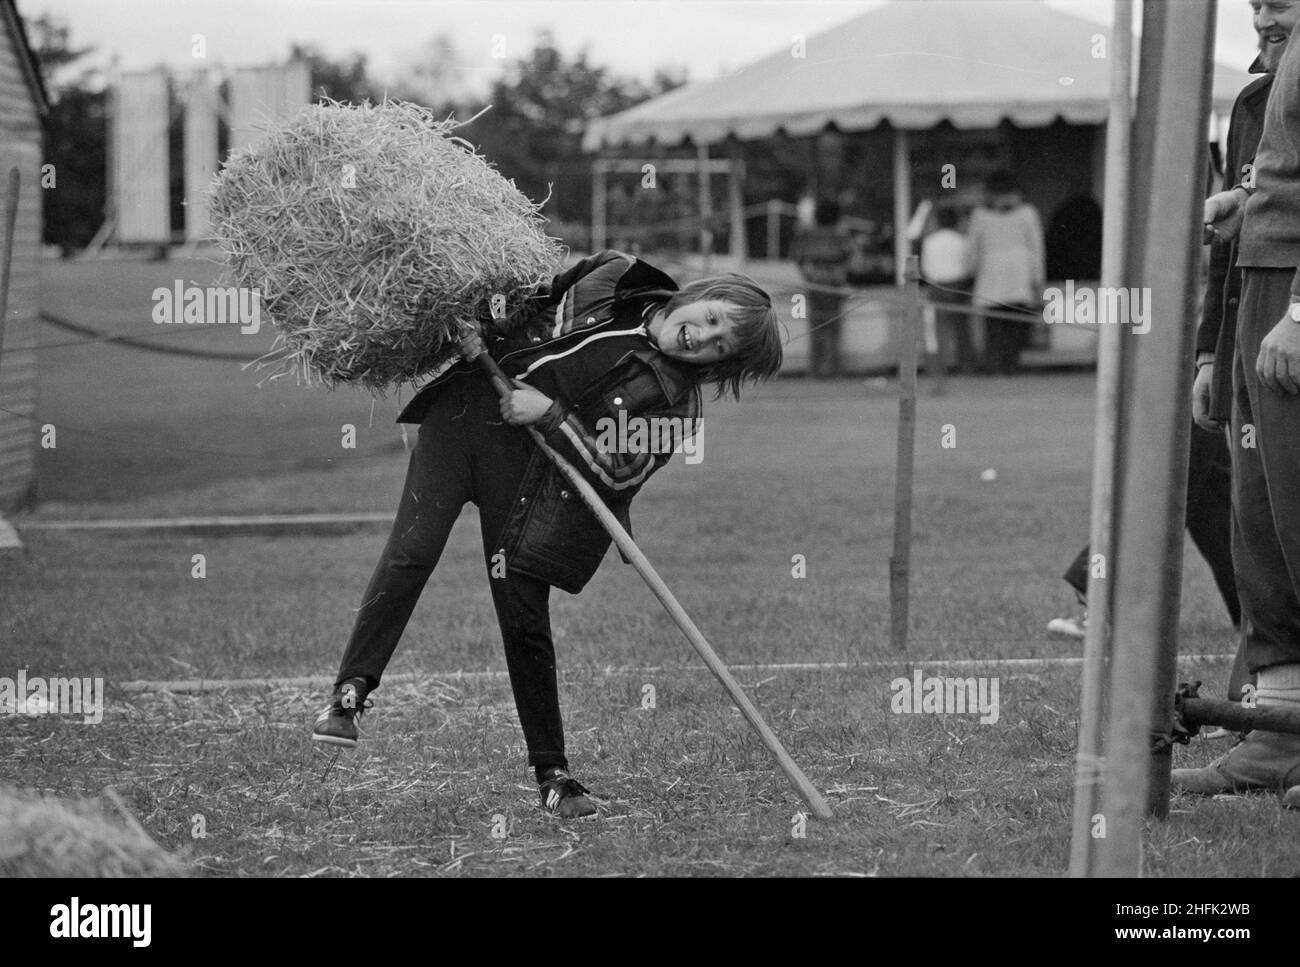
22, 105
913, 63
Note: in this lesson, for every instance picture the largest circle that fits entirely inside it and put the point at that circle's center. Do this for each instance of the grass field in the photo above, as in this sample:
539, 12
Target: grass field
798, 469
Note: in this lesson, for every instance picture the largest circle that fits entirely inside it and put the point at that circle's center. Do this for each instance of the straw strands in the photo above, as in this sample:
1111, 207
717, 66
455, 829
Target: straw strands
376, 238
43, 837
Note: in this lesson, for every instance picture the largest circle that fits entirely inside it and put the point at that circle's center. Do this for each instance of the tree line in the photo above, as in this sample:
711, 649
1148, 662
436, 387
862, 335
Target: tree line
532, 133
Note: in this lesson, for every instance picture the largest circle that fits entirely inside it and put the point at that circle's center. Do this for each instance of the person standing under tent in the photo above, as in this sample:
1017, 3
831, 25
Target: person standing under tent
822, 253
1008, 262
945, 273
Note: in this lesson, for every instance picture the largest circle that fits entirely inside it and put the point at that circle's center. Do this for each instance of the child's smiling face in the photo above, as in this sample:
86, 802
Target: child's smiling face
701, 332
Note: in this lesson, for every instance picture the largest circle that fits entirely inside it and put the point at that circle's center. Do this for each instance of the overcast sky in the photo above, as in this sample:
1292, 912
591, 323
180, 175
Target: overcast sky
631, 36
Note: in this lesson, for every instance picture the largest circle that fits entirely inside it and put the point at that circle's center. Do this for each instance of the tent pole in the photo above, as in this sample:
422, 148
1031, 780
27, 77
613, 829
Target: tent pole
1096, 649
902, 204
706, 208
736, 202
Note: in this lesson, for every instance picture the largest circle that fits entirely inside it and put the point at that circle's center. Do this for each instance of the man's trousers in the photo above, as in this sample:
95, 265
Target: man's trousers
1265, 448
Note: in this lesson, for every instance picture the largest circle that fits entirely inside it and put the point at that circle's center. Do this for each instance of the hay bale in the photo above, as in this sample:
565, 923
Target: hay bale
375, 237
42, 836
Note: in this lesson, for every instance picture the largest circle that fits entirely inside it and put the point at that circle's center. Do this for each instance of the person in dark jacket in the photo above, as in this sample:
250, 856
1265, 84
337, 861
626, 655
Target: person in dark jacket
612, 340
1215, 337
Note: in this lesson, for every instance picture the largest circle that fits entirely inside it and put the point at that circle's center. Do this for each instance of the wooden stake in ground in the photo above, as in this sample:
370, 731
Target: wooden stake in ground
1096, 647
1164, 228
900, 563
633, 553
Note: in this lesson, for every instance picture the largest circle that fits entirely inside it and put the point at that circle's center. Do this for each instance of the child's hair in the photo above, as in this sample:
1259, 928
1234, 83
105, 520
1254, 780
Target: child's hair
757, 329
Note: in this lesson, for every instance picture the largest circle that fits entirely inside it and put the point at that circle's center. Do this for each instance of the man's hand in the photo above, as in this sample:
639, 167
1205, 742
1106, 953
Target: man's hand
1278, 364
1201, 398
1224, 213
524, 405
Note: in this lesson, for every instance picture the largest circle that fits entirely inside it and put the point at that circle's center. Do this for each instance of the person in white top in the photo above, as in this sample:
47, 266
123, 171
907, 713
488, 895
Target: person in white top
945, 273
1008, 262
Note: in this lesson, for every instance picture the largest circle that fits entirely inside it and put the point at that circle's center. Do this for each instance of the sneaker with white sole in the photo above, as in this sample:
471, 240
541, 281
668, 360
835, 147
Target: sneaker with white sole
564, 796
337, 722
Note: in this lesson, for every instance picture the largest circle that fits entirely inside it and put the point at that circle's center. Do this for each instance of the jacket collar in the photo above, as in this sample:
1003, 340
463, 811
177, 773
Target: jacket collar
642, 275
675, 379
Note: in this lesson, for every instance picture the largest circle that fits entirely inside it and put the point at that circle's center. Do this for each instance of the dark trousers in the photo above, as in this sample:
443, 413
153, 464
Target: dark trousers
1209, 517
1003, 341
466, 453
825, 315
1265, 482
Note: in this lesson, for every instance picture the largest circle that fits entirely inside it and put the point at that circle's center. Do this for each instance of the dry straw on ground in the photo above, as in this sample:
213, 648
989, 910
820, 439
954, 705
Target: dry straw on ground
43, 837
375, 237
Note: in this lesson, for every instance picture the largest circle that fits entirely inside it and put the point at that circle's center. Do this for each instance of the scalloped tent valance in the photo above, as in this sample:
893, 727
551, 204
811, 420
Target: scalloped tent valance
913, 63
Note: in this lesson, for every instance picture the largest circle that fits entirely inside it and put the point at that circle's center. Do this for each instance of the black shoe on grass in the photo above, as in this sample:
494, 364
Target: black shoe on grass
337, 722
564, 796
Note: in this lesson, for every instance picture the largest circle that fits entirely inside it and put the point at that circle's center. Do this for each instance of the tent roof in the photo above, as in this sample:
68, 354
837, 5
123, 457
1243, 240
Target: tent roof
913, 63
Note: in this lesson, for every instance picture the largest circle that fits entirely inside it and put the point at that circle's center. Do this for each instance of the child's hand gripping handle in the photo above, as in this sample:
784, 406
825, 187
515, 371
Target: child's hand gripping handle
474, 351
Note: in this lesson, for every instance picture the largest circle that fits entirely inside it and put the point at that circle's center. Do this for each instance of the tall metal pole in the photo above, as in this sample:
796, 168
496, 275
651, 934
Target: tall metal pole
1164, 231
1096, 648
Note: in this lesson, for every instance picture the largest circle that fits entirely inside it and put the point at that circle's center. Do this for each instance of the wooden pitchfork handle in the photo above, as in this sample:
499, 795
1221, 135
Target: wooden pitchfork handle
474, 351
